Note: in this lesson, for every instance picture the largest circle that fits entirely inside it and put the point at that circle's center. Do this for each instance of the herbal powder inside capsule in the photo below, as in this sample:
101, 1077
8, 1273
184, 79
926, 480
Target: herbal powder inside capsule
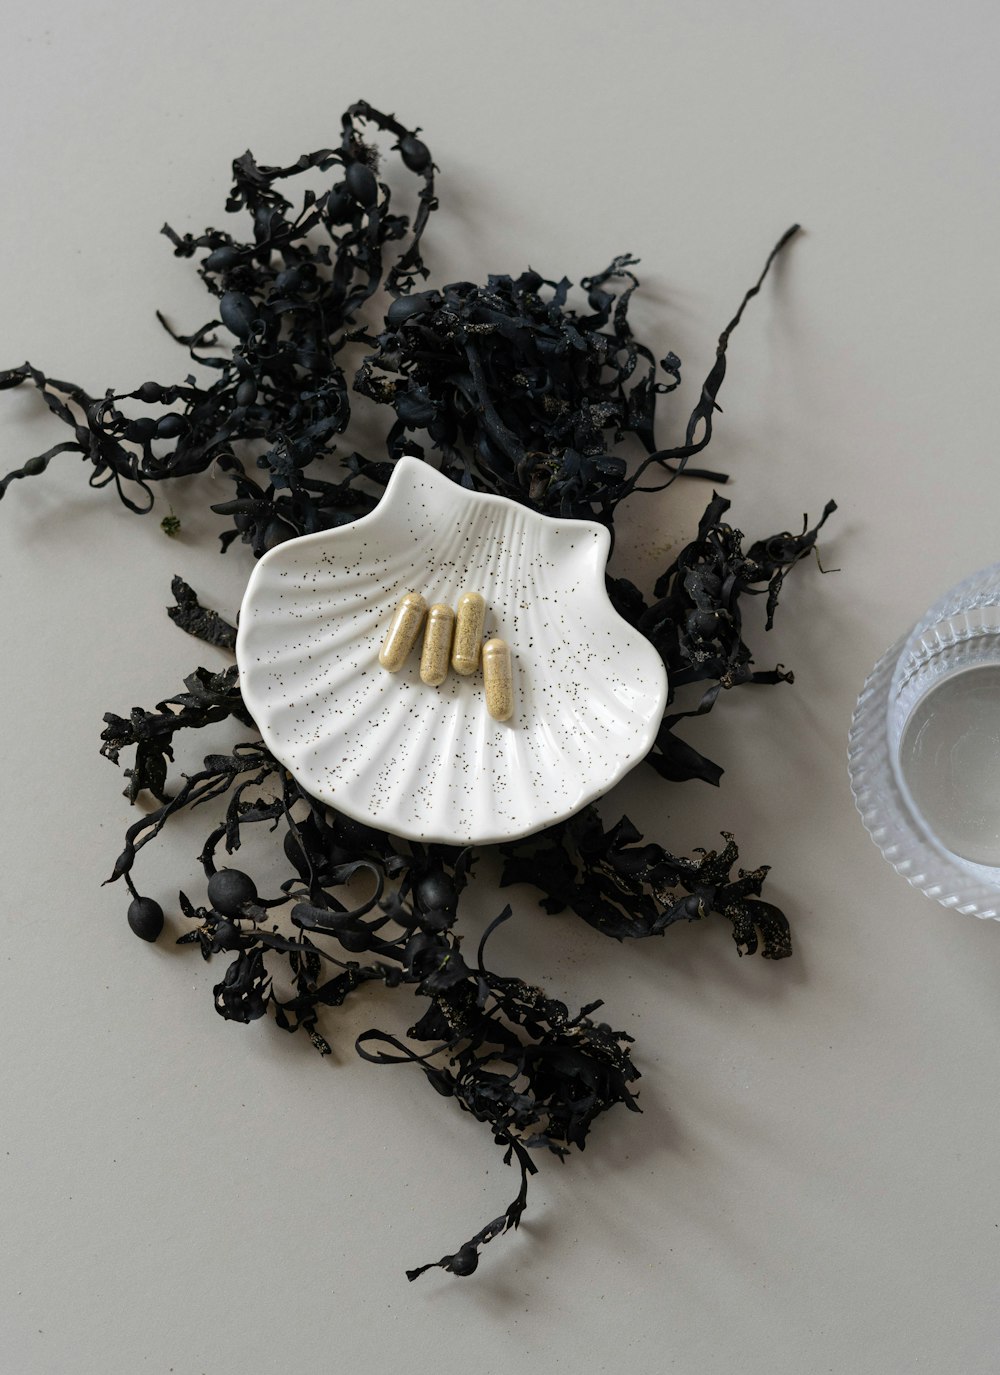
469, 619
498, 679
435, 656
403, 631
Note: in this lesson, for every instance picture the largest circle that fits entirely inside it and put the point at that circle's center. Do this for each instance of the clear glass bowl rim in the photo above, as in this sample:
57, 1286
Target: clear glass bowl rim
886, 811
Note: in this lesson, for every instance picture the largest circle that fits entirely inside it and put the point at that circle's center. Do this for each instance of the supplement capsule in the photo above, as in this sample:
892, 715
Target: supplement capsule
498, 679
403, 631
468, 633
436, 653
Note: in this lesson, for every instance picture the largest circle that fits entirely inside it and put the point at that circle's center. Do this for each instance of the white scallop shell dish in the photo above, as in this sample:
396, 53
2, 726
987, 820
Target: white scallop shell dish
430, 763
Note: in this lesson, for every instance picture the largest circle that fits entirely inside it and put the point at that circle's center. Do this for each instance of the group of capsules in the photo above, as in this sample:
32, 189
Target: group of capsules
455, 639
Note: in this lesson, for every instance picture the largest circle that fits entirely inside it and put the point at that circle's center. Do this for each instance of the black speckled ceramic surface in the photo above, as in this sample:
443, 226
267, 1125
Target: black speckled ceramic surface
430, 763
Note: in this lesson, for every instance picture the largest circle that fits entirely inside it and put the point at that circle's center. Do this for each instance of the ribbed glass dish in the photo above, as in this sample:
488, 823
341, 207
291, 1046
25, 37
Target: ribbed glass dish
959, 633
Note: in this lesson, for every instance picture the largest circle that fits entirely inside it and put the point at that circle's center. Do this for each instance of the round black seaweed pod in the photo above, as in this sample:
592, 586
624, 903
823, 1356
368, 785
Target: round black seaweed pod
170, 426
407, 307
230, 890
465, 1261
145, 916
436, 892
361, 183
238, 313
141, 429
415, 153
222, 259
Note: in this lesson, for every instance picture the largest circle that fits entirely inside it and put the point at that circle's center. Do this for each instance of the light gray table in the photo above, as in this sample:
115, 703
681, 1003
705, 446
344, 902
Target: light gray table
812, 1187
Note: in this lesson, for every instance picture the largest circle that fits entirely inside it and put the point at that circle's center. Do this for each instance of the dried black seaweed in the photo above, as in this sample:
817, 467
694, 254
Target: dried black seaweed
517, 391
696, 622
626, 889
513, 1057
287, 299
523, 395
508, 387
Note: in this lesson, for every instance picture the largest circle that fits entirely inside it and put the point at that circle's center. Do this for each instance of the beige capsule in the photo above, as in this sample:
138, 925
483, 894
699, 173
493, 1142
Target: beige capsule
403, 631
498, 679
469, 620
436, 653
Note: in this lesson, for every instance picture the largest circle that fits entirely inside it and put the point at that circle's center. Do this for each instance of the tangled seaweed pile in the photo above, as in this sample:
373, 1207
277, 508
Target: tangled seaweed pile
512, 390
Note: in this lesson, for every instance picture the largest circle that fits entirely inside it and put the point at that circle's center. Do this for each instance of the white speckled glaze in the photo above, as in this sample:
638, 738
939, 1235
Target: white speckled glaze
430, 763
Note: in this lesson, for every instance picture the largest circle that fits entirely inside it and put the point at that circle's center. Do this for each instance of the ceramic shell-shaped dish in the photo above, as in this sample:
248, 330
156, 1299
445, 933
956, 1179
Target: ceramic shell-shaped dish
430, 763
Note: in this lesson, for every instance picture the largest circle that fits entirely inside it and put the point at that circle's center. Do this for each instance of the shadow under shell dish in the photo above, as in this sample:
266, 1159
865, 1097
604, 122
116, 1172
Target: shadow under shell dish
432, 764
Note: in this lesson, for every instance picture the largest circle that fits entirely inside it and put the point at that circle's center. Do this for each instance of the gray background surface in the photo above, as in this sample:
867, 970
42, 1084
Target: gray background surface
813, 1185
